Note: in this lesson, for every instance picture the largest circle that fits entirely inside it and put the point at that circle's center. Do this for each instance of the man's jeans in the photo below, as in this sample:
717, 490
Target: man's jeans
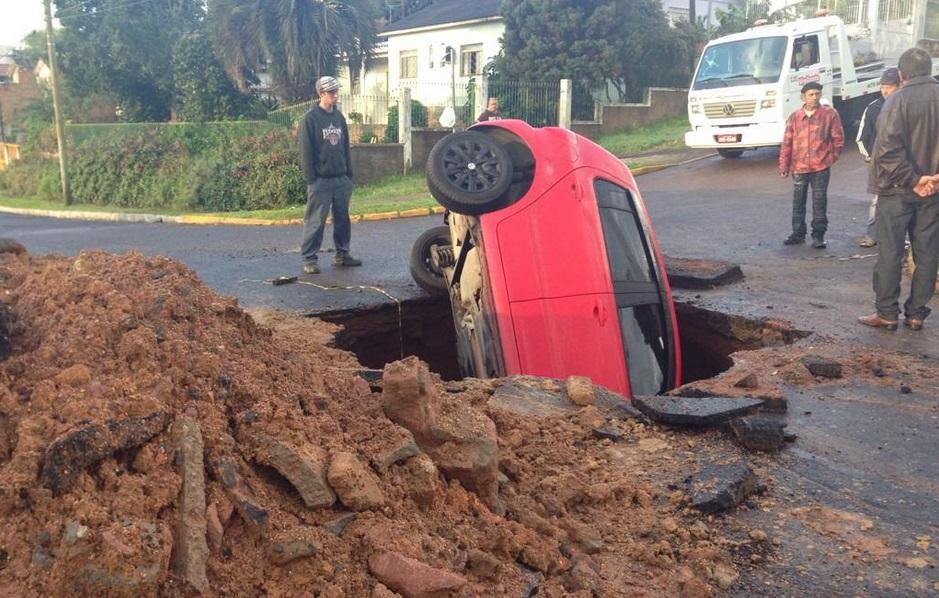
819, 182
321, 196
897, 216
872, 219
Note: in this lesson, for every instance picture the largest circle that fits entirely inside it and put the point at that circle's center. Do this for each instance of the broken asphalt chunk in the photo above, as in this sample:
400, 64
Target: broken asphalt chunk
759, 432
822, 366
527, 396
70, 454
608, 433
303, 467
6, 345
719, 487
190, 549
225, 470
339, 524
694, 412
687, 273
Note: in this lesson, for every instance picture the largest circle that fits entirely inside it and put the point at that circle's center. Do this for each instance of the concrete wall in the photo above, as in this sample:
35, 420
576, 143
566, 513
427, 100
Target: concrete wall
660, 103
422, 140
374, 161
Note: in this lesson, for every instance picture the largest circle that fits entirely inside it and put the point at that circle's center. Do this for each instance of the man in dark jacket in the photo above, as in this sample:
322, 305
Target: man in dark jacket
906, 163
327, 167
867, 133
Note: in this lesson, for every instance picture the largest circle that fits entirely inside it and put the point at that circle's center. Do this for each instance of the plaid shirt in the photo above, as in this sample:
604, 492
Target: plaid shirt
812, 143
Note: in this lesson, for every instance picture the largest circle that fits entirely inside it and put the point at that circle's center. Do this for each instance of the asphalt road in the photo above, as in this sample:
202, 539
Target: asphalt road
863, 449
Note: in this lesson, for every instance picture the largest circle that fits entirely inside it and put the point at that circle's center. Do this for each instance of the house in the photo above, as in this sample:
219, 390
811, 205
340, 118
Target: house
18, 88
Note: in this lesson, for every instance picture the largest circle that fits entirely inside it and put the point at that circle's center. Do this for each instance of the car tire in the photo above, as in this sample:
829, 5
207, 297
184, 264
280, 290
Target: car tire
422, 268
469, 173
729, 153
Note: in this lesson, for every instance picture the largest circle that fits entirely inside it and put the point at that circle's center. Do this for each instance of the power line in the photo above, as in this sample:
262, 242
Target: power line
75, 11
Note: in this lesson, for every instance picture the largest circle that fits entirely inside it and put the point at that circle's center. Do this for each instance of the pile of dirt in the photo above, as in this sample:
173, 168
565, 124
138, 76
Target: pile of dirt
155, 439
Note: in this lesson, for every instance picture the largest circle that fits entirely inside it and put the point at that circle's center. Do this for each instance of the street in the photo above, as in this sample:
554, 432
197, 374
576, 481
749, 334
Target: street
863, 447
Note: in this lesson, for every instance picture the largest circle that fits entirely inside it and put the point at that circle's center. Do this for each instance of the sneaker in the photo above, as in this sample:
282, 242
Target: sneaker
866, 241
346, 261
794, 240
311, 268
818, 243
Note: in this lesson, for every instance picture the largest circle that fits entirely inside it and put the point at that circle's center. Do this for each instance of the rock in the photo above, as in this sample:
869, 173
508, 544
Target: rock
540, 557
282, 553
724, 576
688, 273
904, 389
719, 487
190, 549
214, 531
580, 391
609, 433
404, 449
381, 591
425, 480
822, 366
412, 578
6, 344
482, 564
68, 456
528, 397
750, 381
533, 581
592, 545
302, 466
408, 397
916, 563
339, 524
110, 540
355, 484
759, 432
462, 442
373, 378
584, 575
694, 412
43, 557
758, 535
11, 246
7, 438
73, 532
225, 469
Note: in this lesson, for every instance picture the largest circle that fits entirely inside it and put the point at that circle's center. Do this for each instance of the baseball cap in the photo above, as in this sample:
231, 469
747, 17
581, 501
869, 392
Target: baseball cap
324, 84
891, 76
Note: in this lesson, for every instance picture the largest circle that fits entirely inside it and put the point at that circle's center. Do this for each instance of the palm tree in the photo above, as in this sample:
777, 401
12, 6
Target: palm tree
297, 40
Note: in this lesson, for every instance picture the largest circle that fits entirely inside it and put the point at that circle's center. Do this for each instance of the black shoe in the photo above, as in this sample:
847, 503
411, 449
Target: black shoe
818, 243
346, 261
794, 240
311, 268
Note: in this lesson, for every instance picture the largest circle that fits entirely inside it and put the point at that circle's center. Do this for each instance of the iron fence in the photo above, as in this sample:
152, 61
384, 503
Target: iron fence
535, 102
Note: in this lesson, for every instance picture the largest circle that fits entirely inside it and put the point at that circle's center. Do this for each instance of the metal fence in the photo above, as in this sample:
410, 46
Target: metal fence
535, 102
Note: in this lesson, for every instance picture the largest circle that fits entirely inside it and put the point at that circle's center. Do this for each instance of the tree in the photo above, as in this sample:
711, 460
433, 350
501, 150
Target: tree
736, 19
202, 88
296, 40
32, 49
626, 43
125, 50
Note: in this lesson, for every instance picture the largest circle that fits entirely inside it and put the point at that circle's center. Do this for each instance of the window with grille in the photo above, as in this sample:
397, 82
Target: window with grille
408, 64
471, 60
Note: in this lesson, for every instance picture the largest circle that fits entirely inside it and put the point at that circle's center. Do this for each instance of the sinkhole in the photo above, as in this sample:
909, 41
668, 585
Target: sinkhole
423, 327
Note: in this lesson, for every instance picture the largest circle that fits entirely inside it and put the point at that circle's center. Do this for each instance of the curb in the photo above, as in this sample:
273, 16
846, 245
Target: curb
197, 219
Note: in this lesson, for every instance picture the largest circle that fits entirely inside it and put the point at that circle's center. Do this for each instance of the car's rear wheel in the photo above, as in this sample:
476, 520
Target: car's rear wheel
425, 269
730, 153
469, 173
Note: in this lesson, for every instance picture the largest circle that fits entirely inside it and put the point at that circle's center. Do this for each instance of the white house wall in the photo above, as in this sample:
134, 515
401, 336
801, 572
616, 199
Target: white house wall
433, 82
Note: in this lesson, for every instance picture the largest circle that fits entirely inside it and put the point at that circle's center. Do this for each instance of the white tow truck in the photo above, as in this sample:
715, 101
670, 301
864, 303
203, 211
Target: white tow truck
748, 83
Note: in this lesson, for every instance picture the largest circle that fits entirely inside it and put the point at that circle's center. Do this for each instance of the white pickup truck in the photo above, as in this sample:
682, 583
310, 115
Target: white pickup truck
748, 83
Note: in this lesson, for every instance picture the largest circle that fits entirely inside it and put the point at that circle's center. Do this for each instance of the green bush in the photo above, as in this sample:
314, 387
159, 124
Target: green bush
418, 119
32, 177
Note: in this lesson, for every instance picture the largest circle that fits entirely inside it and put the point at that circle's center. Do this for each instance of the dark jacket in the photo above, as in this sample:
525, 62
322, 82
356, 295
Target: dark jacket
908, 129
324, 145
866, 136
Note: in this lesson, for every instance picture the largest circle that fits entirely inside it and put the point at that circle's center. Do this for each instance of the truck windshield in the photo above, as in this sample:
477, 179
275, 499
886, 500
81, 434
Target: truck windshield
744, 62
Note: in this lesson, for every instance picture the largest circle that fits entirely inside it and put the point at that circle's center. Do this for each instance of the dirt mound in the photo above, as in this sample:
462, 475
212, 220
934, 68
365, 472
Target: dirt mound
157, 440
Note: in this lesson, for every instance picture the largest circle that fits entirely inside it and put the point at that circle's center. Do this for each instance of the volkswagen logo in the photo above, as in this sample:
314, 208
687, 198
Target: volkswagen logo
728, 109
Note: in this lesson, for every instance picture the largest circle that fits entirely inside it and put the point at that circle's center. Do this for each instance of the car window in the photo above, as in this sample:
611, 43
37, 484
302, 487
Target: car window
637, 289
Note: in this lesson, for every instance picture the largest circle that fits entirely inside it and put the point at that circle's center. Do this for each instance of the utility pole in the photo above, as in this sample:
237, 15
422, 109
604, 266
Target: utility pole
56, 105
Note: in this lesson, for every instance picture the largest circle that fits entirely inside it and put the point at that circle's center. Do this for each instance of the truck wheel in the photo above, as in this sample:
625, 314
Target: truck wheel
469, 173
423, 271
729, 153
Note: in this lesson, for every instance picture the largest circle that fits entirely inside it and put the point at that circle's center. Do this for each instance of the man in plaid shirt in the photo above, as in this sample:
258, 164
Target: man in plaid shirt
813, 141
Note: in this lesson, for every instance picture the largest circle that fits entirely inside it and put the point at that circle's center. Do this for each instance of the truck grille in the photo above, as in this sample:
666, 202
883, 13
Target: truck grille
730, 109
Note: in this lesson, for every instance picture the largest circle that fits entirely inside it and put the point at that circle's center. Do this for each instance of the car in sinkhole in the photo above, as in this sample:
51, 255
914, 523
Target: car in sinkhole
549, 259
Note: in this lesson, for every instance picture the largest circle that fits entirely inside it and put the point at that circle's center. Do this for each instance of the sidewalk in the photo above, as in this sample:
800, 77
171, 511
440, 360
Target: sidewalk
642, 163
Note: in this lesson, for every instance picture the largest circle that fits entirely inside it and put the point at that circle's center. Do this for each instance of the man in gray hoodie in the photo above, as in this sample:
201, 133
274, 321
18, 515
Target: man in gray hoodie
327, 167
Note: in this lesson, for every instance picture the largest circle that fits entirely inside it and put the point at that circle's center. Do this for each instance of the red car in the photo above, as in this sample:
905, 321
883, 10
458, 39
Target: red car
549, 259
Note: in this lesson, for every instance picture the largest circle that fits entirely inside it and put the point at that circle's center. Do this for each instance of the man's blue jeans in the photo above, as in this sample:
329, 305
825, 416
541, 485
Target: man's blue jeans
819, 182
322, 196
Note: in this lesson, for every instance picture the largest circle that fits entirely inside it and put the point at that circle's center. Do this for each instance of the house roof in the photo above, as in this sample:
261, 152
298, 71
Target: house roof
444, 12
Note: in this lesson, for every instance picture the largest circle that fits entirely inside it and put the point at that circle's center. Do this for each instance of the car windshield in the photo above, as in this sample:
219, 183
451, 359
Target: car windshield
744, 62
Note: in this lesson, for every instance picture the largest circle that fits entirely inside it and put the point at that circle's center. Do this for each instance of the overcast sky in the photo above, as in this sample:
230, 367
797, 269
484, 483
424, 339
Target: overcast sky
19, 18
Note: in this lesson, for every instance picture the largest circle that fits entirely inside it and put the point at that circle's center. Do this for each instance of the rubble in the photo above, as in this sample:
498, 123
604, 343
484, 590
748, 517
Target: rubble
689, 273
720, 487
6, 346
412, 578
694, 412
822, 366
760, 432
190, 549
